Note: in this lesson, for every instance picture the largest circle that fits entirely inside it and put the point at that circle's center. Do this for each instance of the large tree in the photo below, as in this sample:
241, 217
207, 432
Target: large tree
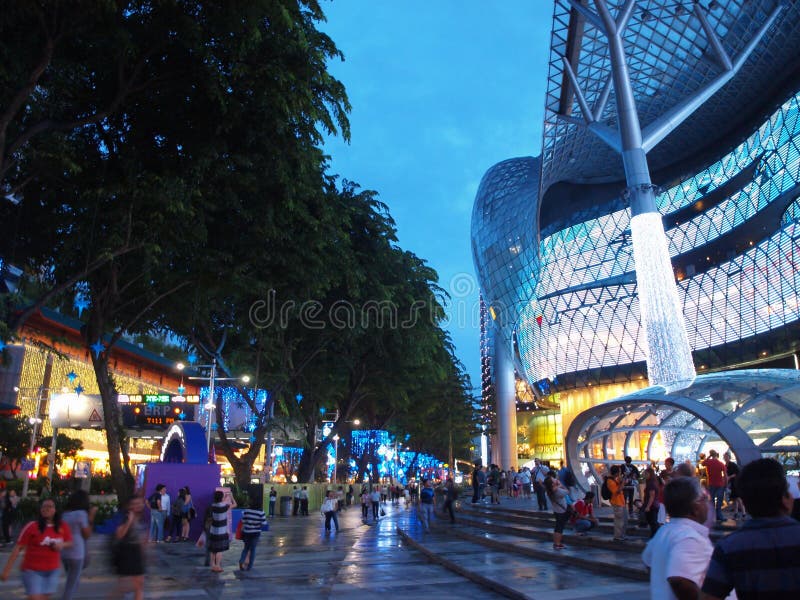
133, 133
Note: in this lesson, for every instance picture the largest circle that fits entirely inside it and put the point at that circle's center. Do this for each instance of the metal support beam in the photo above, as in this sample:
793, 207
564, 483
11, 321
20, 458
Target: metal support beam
667, 123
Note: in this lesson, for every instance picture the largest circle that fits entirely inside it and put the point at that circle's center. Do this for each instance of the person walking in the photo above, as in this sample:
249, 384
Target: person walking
273, 498
127, 552
42, 541
717, 481
427, 504
8, 506
295, 501
450, 497
365, 501
218, 537
79, 516
304, 501
330, 509
478, 483
253, 519
375, 499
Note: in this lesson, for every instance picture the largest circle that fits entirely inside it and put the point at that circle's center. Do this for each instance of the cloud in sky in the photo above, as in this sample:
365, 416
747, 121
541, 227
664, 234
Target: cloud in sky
440, 91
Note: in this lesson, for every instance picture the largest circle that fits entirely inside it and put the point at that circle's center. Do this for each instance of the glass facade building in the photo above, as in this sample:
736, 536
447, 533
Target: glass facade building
551, 235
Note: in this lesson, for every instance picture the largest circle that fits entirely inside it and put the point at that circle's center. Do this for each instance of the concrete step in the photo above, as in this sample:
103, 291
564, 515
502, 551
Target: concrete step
542, 519
521, 570
595, 539
596, 559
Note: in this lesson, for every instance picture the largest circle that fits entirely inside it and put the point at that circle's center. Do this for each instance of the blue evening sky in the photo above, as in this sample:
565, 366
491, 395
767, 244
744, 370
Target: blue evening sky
441, 90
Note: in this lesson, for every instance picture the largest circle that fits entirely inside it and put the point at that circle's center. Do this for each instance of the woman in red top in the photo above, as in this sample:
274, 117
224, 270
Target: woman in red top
42, 541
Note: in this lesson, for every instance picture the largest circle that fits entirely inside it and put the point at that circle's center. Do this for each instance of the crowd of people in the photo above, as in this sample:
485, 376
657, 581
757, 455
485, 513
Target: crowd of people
761, 559
679, 504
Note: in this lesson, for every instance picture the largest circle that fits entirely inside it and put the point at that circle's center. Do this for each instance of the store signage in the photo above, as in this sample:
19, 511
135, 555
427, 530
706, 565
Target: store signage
155, 415
158, 398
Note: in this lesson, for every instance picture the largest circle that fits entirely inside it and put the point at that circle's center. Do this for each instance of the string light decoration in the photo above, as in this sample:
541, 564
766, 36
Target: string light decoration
236, 413
285, 461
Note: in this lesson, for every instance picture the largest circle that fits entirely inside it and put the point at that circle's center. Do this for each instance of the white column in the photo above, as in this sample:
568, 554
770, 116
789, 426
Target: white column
506, 405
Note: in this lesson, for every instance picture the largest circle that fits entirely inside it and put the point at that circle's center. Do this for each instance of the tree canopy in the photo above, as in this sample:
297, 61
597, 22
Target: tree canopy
162, 162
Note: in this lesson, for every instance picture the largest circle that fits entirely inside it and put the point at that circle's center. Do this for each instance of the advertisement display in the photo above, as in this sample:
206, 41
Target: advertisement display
76, 411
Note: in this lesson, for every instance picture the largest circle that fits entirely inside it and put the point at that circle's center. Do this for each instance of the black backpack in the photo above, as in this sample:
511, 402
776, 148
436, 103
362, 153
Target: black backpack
153, 500
569, 479
605, 491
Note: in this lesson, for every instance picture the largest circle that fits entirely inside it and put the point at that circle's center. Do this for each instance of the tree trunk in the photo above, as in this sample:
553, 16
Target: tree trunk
116, 436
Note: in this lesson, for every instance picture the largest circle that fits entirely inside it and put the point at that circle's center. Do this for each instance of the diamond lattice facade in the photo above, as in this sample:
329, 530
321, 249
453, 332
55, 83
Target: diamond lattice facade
551, 235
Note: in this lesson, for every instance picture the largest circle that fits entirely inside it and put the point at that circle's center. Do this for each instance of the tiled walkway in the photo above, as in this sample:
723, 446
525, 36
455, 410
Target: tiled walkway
297, 560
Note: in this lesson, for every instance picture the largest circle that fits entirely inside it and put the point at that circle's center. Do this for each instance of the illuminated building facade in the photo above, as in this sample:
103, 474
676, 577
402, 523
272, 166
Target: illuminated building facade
552, 240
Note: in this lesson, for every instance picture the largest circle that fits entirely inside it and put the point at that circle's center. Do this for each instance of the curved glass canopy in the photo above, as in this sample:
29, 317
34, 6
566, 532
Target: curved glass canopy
751, 412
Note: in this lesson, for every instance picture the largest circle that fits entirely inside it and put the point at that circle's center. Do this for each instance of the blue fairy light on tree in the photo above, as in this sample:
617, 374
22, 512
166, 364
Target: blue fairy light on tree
81, 303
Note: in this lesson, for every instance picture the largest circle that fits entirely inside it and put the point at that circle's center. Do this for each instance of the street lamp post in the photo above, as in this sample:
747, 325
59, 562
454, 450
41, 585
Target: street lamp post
35, 420
212, 379
335, 457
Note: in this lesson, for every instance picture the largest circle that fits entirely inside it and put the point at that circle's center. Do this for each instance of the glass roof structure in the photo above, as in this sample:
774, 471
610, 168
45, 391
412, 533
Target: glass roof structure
669, 58
751, 412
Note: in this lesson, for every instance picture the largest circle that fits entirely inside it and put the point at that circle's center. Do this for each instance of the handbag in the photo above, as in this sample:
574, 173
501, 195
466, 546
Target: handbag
201, 541
383, 513
238, 535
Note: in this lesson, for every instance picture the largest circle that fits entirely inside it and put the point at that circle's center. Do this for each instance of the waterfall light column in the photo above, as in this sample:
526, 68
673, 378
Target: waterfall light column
669, 355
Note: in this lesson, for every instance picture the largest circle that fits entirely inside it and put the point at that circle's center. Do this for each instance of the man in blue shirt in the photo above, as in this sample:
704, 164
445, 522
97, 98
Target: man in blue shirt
426, 504
762, 559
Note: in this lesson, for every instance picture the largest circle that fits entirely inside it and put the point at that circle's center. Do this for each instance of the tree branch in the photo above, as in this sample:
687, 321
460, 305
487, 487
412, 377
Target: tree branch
118, 334
18, 321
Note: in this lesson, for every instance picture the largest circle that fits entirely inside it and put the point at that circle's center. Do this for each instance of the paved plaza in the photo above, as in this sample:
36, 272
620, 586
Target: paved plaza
297, 560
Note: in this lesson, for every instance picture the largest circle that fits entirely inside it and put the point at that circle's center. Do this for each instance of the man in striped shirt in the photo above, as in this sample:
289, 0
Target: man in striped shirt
253, 520
762, 559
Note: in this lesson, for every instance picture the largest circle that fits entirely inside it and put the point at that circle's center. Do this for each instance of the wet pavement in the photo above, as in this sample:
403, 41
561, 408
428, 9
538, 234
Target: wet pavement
296, 559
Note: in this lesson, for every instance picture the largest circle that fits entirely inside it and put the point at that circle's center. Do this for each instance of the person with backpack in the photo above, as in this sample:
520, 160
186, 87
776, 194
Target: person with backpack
176, 517
630, 481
